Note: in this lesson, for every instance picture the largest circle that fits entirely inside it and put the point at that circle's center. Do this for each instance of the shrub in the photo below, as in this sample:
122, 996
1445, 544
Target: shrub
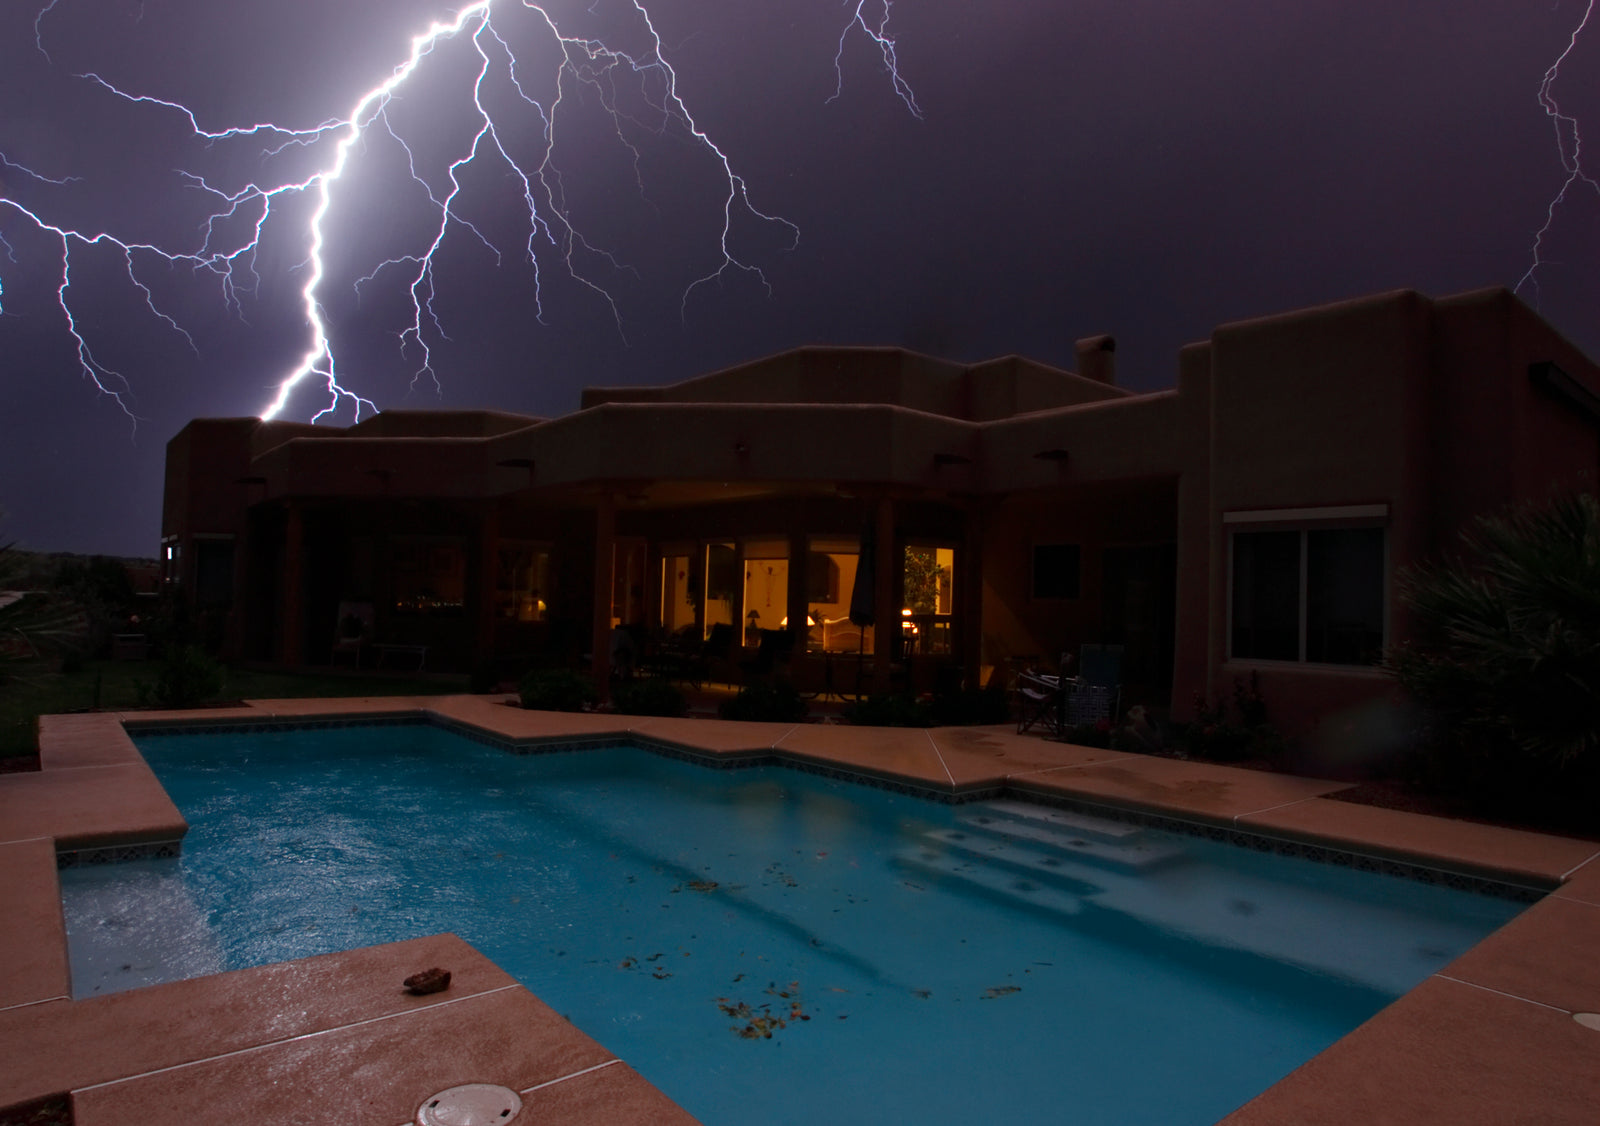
557, 690
649, 697
1248, 736
186, 676
889, 709
765, 701
1506, 659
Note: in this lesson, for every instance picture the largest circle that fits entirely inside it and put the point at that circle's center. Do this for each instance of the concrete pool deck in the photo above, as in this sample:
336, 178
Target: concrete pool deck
1489, 1039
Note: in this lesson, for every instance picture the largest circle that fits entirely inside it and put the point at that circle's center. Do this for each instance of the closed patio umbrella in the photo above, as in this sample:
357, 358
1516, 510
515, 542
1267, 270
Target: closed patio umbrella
863, 593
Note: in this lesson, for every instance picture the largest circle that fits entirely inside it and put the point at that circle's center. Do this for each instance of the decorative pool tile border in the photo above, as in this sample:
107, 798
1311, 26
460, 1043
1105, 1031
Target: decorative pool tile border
1284, 846
1259, 842
116, 854
274, 724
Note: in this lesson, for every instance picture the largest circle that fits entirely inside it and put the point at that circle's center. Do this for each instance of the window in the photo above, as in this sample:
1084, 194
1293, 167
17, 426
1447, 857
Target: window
429, 575
831, 563
929, 588
723, 585
1308, 595
766, 587
680, 589
522, 583
1056, 568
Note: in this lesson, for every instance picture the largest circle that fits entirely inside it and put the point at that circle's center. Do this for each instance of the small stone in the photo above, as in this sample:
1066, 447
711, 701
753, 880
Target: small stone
434, 980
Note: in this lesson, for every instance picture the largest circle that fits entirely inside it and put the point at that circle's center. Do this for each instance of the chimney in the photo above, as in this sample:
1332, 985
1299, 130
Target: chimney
1097, 359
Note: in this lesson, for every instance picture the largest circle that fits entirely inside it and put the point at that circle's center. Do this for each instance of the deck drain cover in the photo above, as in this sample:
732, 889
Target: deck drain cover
474, 1104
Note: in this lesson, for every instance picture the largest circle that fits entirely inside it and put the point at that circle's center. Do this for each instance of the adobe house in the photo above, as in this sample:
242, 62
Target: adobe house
1253, 518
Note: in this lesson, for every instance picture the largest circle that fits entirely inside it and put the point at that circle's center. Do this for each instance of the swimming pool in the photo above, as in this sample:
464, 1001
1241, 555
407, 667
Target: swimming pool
768, 944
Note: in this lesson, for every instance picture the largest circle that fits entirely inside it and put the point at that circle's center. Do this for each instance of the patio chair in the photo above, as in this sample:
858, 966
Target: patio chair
717, 661
352, 631
773, 654
1095, 694
1037, 699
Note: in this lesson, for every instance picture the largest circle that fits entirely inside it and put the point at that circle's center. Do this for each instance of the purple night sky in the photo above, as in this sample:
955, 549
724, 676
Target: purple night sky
1147, 168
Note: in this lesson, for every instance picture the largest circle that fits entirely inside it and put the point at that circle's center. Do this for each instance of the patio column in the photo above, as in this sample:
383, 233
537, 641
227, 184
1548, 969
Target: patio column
887, 628
292, 629
969, 596
605, 541
488, 579
797, 592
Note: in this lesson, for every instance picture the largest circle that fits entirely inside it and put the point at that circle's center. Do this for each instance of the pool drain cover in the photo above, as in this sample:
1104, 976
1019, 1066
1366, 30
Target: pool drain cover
474, 1104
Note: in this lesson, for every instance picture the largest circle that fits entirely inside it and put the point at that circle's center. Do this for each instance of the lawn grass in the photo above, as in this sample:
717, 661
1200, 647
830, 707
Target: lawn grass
40, 689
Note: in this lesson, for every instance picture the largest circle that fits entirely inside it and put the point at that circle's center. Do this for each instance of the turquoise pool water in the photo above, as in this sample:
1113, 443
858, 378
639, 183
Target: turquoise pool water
771, 946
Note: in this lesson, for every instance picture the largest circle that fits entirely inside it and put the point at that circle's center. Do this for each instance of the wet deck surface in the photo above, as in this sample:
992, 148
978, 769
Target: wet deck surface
335, 1039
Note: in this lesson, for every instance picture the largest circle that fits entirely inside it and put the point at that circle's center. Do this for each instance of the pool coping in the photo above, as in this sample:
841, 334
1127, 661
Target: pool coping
1436, 1054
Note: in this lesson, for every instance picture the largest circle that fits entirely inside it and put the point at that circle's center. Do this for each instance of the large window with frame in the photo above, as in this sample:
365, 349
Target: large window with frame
1309, 594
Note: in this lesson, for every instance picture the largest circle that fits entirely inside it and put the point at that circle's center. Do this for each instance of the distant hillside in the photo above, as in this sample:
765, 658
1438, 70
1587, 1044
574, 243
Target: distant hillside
39, 570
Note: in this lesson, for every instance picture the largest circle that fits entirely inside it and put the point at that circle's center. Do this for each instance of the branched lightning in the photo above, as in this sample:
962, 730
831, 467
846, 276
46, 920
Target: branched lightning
228, 240
880, 37
1569, 145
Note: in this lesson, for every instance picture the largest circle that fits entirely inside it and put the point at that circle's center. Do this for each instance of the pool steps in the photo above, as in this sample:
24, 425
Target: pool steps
1047, 859
1116, 844
1068, 864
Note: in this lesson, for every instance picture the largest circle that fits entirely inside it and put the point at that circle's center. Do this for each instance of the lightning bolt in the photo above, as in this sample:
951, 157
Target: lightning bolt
885, 43
1569, 145
231, 235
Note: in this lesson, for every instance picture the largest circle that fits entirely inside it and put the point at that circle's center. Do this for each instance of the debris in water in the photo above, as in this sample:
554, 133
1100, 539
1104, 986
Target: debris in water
1000, 991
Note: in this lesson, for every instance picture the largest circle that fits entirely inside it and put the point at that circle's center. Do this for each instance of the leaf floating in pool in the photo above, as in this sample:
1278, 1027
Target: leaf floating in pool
759, 1024
702, 885
1000, 991
626, 964
661, 975
656, 957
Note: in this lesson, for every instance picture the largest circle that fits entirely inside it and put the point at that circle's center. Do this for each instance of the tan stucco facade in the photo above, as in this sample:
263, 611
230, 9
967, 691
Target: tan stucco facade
1395, 412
